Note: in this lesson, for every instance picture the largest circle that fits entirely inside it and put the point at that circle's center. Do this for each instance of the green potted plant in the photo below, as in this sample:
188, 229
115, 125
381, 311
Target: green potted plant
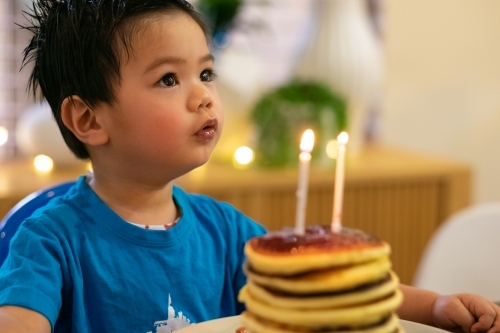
282, 115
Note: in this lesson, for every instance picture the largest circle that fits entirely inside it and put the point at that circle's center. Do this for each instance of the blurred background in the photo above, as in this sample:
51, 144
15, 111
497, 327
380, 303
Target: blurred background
422, 77
426, 77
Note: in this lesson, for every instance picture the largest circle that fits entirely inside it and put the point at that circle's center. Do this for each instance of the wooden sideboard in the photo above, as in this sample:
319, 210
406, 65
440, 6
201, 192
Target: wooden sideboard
399, 196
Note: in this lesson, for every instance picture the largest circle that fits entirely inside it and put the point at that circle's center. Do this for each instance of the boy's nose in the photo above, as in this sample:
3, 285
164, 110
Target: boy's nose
200, 98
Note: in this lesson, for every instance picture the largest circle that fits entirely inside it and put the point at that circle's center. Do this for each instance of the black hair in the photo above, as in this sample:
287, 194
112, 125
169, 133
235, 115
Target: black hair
76, 48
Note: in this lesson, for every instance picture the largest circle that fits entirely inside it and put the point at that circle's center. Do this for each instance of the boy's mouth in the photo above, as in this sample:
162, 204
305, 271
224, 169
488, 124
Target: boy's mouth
207, 131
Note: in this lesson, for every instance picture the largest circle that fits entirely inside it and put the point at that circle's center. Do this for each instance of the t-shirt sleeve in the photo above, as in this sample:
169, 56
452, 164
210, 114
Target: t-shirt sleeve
31, 274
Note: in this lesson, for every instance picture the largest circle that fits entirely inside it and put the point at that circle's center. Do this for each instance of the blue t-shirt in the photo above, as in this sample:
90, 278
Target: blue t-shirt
87, 270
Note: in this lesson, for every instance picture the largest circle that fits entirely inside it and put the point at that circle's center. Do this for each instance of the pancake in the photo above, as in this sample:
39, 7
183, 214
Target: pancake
285, 253
320, 282
363, 294
354, 316
260, 325
325, 280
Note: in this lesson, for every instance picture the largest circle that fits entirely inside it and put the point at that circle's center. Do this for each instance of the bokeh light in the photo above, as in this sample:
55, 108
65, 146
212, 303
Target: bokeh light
332, 149
43, 163
4, 135
243, 156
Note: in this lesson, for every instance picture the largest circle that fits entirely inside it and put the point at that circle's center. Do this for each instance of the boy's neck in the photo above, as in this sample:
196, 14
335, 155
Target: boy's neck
136, 203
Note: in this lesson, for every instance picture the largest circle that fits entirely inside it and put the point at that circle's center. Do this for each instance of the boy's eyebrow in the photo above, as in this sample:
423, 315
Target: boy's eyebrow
208, 57
175, 60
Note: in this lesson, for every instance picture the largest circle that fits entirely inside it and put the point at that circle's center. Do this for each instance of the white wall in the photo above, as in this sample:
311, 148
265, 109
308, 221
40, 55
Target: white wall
4, 62
442, 94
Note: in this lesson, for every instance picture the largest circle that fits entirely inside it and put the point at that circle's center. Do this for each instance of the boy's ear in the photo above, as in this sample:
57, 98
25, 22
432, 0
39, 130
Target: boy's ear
80, 119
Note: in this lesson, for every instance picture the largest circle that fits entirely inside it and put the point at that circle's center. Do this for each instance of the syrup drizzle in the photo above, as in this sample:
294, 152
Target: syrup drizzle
315, 238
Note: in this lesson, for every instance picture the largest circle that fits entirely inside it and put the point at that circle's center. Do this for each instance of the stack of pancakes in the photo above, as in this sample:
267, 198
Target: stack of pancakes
320, 282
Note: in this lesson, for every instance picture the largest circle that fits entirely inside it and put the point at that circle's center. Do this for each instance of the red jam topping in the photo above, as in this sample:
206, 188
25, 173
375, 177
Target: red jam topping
315, 238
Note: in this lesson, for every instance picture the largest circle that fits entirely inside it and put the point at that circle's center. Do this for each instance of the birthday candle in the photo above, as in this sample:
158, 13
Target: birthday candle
338, 193
306, 146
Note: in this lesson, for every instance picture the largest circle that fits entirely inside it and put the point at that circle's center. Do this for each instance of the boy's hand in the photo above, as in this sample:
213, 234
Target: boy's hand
466, 313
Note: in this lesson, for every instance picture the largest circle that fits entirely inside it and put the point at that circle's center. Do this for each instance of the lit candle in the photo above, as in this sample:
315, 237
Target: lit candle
339, 183
306, 146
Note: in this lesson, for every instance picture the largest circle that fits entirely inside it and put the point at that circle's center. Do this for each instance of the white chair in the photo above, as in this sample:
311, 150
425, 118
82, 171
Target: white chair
463, 255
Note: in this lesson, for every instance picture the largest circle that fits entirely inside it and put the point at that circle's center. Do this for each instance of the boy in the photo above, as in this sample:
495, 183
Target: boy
130, 83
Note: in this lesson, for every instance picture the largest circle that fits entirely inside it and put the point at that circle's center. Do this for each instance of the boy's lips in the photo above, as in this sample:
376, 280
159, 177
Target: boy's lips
207, 131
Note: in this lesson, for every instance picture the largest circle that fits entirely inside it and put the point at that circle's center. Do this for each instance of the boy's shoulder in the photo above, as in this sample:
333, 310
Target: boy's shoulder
204, 204
198, 200
211, 211
63, 206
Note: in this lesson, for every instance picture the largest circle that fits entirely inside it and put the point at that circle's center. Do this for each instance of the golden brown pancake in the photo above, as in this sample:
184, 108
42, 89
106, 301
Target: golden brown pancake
285, 253
326, 280
364, 294
354, 316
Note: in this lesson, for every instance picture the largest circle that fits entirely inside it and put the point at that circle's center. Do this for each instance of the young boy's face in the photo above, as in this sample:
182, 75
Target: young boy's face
168, 116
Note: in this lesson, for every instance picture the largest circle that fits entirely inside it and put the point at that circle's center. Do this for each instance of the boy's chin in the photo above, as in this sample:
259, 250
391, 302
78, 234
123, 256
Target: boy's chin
199, 158
201, 162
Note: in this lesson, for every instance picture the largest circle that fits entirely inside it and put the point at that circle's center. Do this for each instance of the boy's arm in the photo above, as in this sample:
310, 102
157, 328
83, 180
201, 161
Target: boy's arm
15, 319
458, 312
417, 305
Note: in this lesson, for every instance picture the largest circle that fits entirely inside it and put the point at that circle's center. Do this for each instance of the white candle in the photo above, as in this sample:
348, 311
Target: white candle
338, 193
306, 146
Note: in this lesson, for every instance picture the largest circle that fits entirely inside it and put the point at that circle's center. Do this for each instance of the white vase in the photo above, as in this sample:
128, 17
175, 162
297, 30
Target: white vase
345, 53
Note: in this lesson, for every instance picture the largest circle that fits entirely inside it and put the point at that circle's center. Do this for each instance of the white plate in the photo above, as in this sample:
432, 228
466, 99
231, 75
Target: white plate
230, 324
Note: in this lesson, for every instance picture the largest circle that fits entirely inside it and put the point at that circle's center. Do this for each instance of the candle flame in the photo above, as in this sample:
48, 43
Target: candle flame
307, 142
343, 138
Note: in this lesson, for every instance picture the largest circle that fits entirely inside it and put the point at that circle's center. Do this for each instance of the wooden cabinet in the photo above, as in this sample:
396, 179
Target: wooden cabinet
399, 196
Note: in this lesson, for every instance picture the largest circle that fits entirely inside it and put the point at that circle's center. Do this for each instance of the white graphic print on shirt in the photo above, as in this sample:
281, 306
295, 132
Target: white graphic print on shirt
172, 323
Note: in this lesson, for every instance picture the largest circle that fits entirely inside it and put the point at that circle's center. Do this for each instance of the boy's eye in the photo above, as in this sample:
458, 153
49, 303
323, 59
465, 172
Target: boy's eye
208, 75
168, 80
